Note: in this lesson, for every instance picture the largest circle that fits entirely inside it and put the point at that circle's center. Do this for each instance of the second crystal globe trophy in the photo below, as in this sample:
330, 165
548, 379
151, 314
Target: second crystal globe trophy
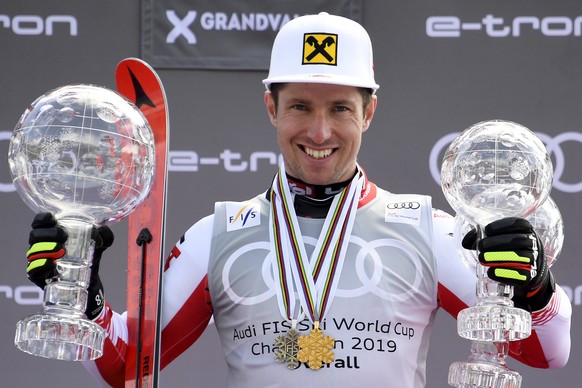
494, 169
86, 154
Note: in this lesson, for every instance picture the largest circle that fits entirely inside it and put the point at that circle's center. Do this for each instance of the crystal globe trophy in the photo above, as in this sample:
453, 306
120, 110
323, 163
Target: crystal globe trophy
85, 154
494, 169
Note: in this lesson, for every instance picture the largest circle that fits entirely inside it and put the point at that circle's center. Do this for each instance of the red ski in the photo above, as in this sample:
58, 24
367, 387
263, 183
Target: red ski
139, 82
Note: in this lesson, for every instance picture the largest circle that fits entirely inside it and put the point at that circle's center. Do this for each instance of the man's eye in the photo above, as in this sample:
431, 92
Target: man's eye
341, 108
298, 107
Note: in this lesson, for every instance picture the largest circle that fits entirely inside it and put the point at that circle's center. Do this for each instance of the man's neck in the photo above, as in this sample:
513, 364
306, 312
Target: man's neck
314, 201
318, 192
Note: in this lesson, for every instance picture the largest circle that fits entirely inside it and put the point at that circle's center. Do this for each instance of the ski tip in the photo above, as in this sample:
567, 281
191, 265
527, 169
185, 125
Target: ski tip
131, 59
134, 61
133, 64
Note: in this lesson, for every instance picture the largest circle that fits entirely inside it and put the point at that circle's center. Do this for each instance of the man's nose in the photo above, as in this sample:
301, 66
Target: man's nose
320, 128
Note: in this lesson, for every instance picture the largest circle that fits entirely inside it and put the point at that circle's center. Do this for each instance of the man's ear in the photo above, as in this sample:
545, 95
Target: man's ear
271, 108
369, 113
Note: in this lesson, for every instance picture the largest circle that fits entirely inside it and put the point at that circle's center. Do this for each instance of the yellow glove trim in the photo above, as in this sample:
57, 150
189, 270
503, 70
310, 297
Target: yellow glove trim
41, 247
509, 274
505, 256
35, 264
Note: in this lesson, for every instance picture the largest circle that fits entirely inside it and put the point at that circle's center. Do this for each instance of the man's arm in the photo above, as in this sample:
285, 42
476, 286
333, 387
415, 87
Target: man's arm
186, 307
549, 344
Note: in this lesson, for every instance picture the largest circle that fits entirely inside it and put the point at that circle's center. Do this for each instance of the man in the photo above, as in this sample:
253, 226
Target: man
325, 279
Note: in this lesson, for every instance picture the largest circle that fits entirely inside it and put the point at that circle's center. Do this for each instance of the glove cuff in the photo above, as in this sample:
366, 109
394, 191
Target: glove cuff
103, 237
95, 298
540, 299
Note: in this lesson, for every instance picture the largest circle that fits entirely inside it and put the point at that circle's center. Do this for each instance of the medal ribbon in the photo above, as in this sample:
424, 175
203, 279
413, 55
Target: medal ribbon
316, 279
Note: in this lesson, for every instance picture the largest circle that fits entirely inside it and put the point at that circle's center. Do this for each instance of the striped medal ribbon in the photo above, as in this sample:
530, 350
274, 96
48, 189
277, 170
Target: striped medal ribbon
314, 279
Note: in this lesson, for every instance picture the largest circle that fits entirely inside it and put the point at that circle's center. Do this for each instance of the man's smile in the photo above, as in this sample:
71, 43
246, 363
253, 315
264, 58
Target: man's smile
318, 154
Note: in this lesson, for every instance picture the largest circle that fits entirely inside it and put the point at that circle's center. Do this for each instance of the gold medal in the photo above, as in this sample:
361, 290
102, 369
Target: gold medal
287, 349
315, 349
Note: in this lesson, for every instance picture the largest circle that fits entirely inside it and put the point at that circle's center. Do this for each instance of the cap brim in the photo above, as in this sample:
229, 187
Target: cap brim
332, 79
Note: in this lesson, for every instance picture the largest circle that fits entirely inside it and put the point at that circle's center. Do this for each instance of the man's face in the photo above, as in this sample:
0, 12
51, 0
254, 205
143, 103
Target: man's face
319, 129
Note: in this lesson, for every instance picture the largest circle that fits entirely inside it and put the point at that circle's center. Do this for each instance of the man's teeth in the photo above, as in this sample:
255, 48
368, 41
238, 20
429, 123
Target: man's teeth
318, 154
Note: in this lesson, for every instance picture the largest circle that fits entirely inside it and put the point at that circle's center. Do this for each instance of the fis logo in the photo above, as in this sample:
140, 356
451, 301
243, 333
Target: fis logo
320, 49
238, 217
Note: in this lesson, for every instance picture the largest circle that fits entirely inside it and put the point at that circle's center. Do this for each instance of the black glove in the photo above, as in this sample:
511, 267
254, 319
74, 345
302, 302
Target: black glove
514, 253
47, 240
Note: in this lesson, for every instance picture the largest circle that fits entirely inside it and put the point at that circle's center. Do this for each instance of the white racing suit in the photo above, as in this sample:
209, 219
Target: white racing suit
401, 266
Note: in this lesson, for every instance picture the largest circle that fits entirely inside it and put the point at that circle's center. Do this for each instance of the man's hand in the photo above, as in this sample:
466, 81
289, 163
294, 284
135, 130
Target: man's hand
514, 255
46, 241
47, 245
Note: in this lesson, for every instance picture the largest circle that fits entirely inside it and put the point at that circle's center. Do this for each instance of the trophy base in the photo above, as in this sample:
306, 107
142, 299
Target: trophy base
482, 374
60, 337
494, 323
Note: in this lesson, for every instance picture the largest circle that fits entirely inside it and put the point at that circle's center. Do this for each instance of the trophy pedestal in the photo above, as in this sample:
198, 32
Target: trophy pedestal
61, 330
496, 323
490, 325
494, 318
60, 337
482, 374
486, 368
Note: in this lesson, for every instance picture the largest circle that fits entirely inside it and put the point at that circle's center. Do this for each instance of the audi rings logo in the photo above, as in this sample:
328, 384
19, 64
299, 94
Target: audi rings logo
553, 145
403, 205
369, 271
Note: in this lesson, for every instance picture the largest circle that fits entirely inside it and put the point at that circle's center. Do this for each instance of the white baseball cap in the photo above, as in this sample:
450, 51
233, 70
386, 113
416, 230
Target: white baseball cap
322, 48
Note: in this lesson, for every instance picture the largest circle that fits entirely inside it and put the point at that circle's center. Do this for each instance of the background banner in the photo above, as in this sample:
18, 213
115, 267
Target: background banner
442, 66
223, 34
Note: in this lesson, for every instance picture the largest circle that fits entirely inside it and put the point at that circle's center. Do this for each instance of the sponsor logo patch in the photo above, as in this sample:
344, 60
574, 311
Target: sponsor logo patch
319, 49
241, 216
404, 212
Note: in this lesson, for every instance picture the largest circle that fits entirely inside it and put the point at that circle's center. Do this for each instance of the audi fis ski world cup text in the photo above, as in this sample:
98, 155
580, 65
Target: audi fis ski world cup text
500, 27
